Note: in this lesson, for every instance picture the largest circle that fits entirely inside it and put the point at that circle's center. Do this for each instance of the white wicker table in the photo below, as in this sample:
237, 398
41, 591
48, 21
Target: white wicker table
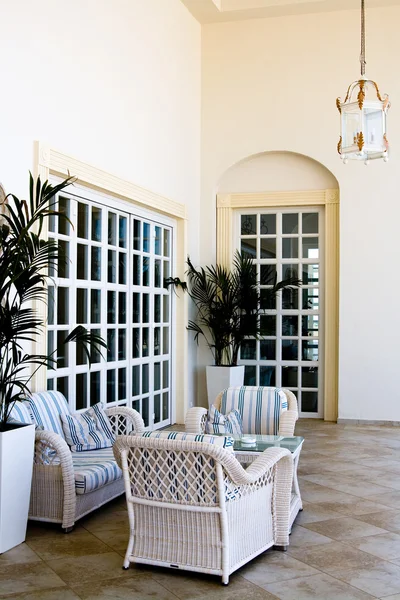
246, 454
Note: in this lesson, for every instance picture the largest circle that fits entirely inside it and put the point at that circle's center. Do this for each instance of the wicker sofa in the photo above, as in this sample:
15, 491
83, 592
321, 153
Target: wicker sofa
192, 506
265, 410
65, 485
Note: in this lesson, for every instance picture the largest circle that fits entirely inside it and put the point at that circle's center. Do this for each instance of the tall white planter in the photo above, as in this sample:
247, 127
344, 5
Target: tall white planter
219, 378
16, 463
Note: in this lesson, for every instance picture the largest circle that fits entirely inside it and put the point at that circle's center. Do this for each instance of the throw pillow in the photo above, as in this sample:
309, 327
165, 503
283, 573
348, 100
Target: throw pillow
89, 430
218, 423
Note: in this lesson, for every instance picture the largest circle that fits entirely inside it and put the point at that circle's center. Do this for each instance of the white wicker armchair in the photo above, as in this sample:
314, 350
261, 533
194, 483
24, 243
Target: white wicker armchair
192, 506
53, 496
284, 423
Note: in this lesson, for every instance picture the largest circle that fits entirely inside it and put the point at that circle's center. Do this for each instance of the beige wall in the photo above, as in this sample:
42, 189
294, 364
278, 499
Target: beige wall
270, 85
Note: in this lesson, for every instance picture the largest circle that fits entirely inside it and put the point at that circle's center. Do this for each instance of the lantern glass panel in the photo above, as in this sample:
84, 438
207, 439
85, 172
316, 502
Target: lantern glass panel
374, 127
351, 124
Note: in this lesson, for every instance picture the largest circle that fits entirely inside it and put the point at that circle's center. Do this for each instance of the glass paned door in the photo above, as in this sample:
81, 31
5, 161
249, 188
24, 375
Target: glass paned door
287, 243
110, 279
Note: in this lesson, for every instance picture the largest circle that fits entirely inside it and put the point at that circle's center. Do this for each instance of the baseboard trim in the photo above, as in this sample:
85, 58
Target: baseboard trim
368, 422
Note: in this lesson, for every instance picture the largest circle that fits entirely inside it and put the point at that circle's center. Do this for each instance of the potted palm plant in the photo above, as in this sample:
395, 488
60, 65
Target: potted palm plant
26, 258
229, 304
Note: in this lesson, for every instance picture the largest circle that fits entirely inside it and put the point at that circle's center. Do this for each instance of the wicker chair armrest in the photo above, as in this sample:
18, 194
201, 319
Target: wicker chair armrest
259, 467
292, 400
125, 420
195, 420
287, 422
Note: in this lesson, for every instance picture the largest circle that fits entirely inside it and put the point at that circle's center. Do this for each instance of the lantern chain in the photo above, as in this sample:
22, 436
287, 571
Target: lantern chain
362, 55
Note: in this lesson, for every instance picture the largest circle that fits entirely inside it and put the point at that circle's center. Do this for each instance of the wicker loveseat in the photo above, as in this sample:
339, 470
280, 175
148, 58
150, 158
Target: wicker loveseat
265, 410
68, 485
192, 506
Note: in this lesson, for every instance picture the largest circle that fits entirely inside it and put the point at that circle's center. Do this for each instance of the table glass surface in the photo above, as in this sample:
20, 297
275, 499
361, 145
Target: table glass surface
266, 441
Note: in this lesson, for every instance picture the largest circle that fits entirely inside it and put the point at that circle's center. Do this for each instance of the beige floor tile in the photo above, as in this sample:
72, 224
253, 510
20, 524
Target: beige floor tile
354, 506
380, 462
388, 498
394, 597
129, 589
76, 543
312, 492
386, 546
56, 594
275, 566
344, 529
333, 556
387, 519
381, 580
115, 539
37, 529
312, 513
115, 519
27, 577
301, 536
19, 554
316, 587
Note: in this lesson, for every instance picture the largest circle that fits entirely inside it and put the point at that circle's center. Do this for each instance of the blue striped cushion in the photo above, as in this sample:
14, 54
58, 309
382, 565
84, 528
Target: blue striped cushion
259, 407
89, 430
223, 442
218, 423
93, 469
21, 413
46, 408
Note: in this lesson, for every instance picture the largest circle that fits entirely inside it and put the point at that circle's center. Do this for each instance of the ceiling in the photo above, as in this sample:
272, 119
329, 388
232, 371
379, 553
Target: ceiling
213, 11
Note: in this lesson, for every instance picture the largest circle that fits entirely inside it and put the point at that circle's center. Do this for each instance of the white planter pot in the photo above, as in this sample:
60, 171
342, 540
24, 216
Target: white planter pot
16, 463
219, 378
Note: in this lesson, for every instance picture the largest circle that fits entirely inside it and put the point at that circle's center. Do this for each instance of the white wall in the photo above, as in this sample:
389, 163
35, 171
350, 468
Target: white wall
270, 85
116, 84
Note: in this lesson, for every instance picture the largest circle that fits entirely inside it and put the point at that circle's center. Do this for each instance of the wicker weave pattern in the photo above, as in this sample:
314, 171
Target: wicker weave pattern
181, 513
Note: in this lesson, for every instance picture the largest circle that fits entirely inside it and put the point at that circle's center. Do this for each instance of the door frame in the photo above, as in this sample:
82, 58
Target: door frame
228, 203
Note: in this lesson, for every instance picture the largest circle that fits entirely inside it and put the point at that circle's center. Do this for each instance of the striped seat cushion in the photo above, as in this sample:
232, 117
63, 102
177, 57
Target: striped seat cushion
218, 423
89, 430
93, 469
21, 413
259, 407
224, 442
46, 408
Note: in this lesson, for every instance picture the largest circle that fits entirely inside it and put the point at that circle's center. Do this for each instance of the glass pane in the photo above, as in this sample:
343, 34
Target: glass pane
157, 348
136, 405
50, 304
122, 268
122, 384
166, 308
267, 224
166, 269
62, 306
136, 269
62, 386
267, 274
111, 385
112, 228
94, 387
122, 307
248, 224
81, 358
111, 307
310, 274
95, 272
122, 232
135, 343
290, 223
136, 234
63, 259
63, 207
95, 306
145, 379
248, 350
157, 308
268, 325
83, 218
309, 377
145, 341
165, 340
310, 222
267, 299
157, 273
96, 224
146, 271
112, 266
50, 384
250, 375
167, 238
157, 408
145, 411
81, 391
165, 373
136, 380
290, 377
165, 405
82, 262
157, 376
290, 350
62, 350
310, 247
157, 240
290, 270
290, 325
146, 308
309, 402
95, 355
110, 345
267, 350
146, 237
249, 248
267, 247
310, 325
290, 247
310, 299
121, 344
310, 349
290, 299
50, 349
267, 376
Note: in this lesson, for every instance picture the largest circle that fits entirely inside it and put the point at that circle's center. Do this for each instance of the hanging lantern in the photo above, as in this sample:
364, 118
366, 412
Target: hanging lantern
363, 116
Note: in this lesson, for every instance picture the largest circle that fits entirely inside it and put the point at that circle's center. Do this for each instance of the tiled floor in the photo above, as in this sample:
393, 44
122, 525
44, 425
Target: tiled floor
345, 545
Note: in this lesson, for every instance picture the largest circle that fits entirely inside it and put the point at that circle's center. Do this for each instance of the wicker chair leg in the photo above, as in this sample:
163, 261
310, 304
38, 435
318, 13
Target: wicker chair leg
281, 548
68, 529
